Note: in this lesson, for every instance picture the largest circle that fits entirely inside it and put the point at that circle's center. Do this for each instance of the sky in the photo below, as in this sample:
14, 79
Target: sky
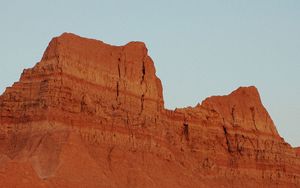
200, 48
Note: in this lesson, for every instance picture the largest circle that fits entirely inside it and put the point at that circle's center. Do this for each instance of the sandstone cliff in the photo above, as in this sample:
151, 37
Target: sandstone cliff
92, 115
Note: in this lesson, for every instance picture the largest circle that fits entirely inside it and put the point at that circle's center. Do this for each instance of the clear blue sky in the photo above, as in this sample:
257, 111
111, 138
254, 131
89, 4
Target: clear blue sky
200, 48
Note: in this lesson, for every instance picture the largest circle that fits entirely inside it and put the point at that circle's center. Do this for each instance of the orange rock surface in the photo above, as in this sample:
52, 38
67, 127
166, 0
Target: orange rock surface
92, 115
298, 151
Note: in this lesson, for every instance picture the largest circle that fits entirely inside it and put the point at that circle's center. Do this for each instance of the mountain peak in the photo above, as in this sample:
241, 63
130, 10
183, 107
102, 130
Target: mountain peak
69, 44
247, 90
243, 108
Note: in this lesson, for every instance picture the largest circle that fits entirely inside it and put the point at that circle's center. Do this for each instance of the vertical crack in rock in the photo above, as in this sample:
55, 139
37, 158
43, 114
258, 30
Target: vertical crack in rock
143, 71
118, 81
119, 71
82, 104
109, 157
143, 82
229, 149
227, 140
117, 90
233, 115
142, 103
185, 131
252, 109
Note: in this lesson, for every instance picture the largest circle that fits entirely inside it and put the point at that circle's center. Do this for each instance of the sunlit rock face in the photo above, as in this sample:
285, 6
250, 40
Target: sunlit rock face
91, 114
298, 151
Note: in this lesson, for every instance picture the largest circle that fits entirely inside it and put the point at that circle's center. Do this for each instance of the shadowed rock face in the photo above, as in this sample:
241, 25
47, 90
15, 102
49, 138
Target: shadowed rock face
92, 115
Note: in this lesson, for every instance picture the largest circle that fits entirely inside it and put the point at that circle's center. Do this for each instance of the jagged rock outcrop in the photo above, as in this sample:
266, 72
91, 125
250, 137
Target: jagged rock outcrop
243, 108
92, 115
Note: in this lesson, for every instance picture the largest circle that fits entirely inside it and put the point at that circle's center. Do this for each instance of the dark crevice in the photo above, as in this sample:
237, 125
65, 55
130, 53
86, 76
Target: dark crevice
142, 103
119, 71
232, 114
253, 117
143, 72
227, 140
185, 131
118, 85
142, 82
118, 90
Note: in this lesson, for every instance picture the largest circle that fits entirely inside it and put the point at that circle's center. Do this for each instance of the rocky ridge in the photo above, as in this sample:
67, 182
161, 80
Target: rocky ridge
91, 114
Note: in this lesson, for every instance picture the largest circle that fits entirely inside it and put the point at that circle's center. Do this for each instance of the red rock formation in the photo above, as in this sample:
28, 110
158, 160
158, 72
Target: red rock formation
297, 151
92, 115
243, 108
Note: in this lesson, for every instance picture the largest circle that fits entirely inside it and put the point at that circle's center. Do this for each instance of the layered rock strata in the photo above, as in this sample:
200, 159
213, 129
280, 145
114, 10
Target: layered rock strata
91, 114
